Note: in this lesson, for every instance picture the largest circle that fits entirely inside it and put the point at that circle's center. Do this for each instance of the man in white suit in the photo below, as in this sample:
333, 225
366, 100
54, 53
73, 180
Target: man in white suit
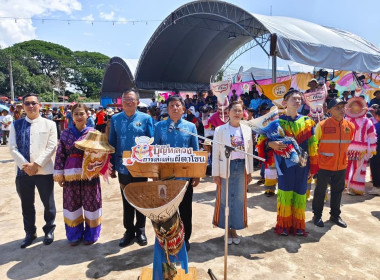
32, 143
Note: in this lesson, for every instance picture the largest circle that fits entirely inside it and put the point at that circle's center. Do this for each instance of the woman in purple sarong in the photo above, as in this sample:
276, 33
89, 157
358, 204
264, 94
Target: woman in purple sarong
82, 199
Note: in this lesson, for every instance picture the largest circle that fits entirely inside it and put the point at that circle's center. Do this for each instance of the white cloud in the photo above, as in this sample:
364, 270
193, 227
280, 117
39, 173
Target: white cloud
89, 18
122, 20
14, 32
109, 16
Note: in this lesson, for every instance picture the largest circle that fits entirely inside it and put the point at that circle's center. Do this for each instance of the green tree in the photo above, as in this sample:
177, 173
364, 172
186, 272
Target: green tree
46, 97
40, 67
74, 97
88, 74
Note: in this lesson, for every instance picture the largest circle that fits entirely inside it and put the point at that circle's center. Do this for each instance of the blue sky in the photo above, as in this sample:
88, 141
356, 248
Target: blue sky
128, 40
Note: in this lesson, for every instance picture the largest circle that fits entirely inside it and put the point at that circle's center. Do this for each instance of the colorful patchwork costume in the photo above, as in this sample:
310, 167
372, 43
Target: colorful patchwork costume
292, 179
361, 148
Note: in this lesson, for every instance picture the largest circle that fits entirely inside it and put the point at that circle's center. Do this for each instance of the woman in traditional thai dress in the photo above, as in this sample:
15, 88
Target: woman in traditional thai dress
82, 199
292, 178
239, 136
361, 148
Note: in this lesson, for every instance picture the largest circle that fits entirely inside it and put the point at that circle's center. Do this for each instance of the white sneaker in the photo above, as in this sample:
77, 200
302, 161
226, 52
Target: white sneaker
236, 241
374, 191
229, 240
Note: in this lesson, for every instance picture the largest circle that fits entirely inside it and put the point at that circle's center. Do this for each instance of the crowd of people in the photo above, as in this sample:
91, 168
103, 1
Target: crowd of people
335, 151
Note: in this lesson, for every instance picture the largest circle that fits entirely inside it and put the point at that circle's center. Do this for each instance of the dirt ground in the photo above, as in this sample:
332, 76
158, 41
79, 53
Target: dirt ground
327, 253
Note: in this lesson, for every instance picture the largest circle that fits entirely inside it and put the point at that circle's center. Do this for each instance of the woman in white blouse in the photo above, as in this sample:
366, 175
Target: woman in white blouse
235, 134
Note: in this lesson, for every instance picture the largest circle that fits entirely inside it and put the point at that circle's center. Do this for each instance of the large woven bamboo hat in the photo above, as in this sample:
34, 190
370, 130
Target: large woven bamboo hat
157, 200
361, 102
95, 141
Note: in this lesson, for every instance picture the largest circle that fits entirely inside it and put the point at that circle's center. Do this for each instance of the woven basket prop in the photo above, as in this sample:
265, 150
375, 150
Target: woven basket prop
96, 158
158, 200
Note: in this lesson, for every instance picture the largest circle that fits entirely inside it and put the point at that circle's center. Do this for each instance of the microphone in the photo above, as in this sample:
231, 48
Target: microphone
171, 126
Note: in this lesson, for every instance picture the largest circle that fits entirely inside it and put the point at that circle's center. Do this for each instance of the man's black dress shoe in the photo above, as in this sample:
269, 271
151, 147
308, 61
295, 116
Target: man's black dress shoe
338, 221
127, 238
318, 222
141, 239
187, 244
28, 240
49, 238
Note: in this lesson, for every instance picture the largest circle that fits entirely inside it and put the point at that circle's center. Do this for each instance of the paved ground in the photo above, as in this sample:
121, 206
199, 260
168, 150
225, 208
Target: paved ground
327, 253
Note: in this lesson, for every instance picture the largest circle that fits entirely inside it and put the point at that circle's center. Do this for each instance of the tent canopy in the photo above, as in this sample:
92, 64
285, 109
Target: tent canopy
117, 77
194, 42
312, 44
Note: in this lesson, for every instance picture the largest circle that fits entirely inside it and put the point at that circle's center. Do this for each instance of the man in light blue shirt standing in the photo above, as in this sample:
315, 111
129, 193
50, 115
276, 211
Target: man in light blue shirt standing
165, 133
124, 127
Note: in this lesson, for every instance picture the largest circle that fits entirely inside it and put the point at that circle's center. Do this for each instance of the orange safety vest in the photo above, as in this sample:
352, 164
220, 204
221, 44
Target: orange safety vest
333, 144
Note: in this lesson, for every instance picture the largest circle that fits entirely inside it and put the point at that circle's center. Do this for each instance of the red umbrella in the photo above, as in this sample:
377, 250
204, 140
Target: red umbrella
4, 98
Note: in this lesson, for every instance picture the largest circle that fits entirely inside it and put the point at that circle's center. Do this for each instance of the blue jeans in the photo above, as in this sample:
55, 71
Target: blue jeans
236, 196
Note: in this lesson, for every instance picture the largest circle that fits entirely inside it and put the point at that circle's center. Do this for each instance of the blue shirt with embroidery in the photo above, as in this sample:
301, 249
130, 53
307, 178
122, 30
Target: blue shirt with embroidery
22, 131
123, 130
176, 138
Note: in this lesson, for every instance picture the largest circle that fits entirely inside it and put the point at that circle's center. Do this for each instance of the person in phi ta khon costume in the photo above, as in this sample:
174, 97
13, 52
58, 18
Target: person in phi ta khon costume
361, 148
292, 178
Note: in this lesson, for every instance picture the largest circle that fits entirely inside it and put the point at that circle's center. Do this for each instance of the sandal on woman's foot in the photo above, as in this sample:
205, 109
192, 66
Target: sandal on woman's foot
89, 242
75, 242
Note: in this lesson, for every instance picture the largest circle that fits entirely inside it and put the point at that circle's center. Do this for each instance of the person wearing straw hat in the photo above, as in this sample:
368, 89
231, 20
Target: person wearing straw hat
82, 197
32, 143
125, 126
165, 133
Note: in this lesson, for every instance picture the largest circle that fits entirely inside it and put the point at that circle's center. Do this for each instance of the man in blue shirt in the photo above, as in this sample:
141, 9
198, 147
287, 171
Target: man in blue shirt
124, 127
165, 133
256, 102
